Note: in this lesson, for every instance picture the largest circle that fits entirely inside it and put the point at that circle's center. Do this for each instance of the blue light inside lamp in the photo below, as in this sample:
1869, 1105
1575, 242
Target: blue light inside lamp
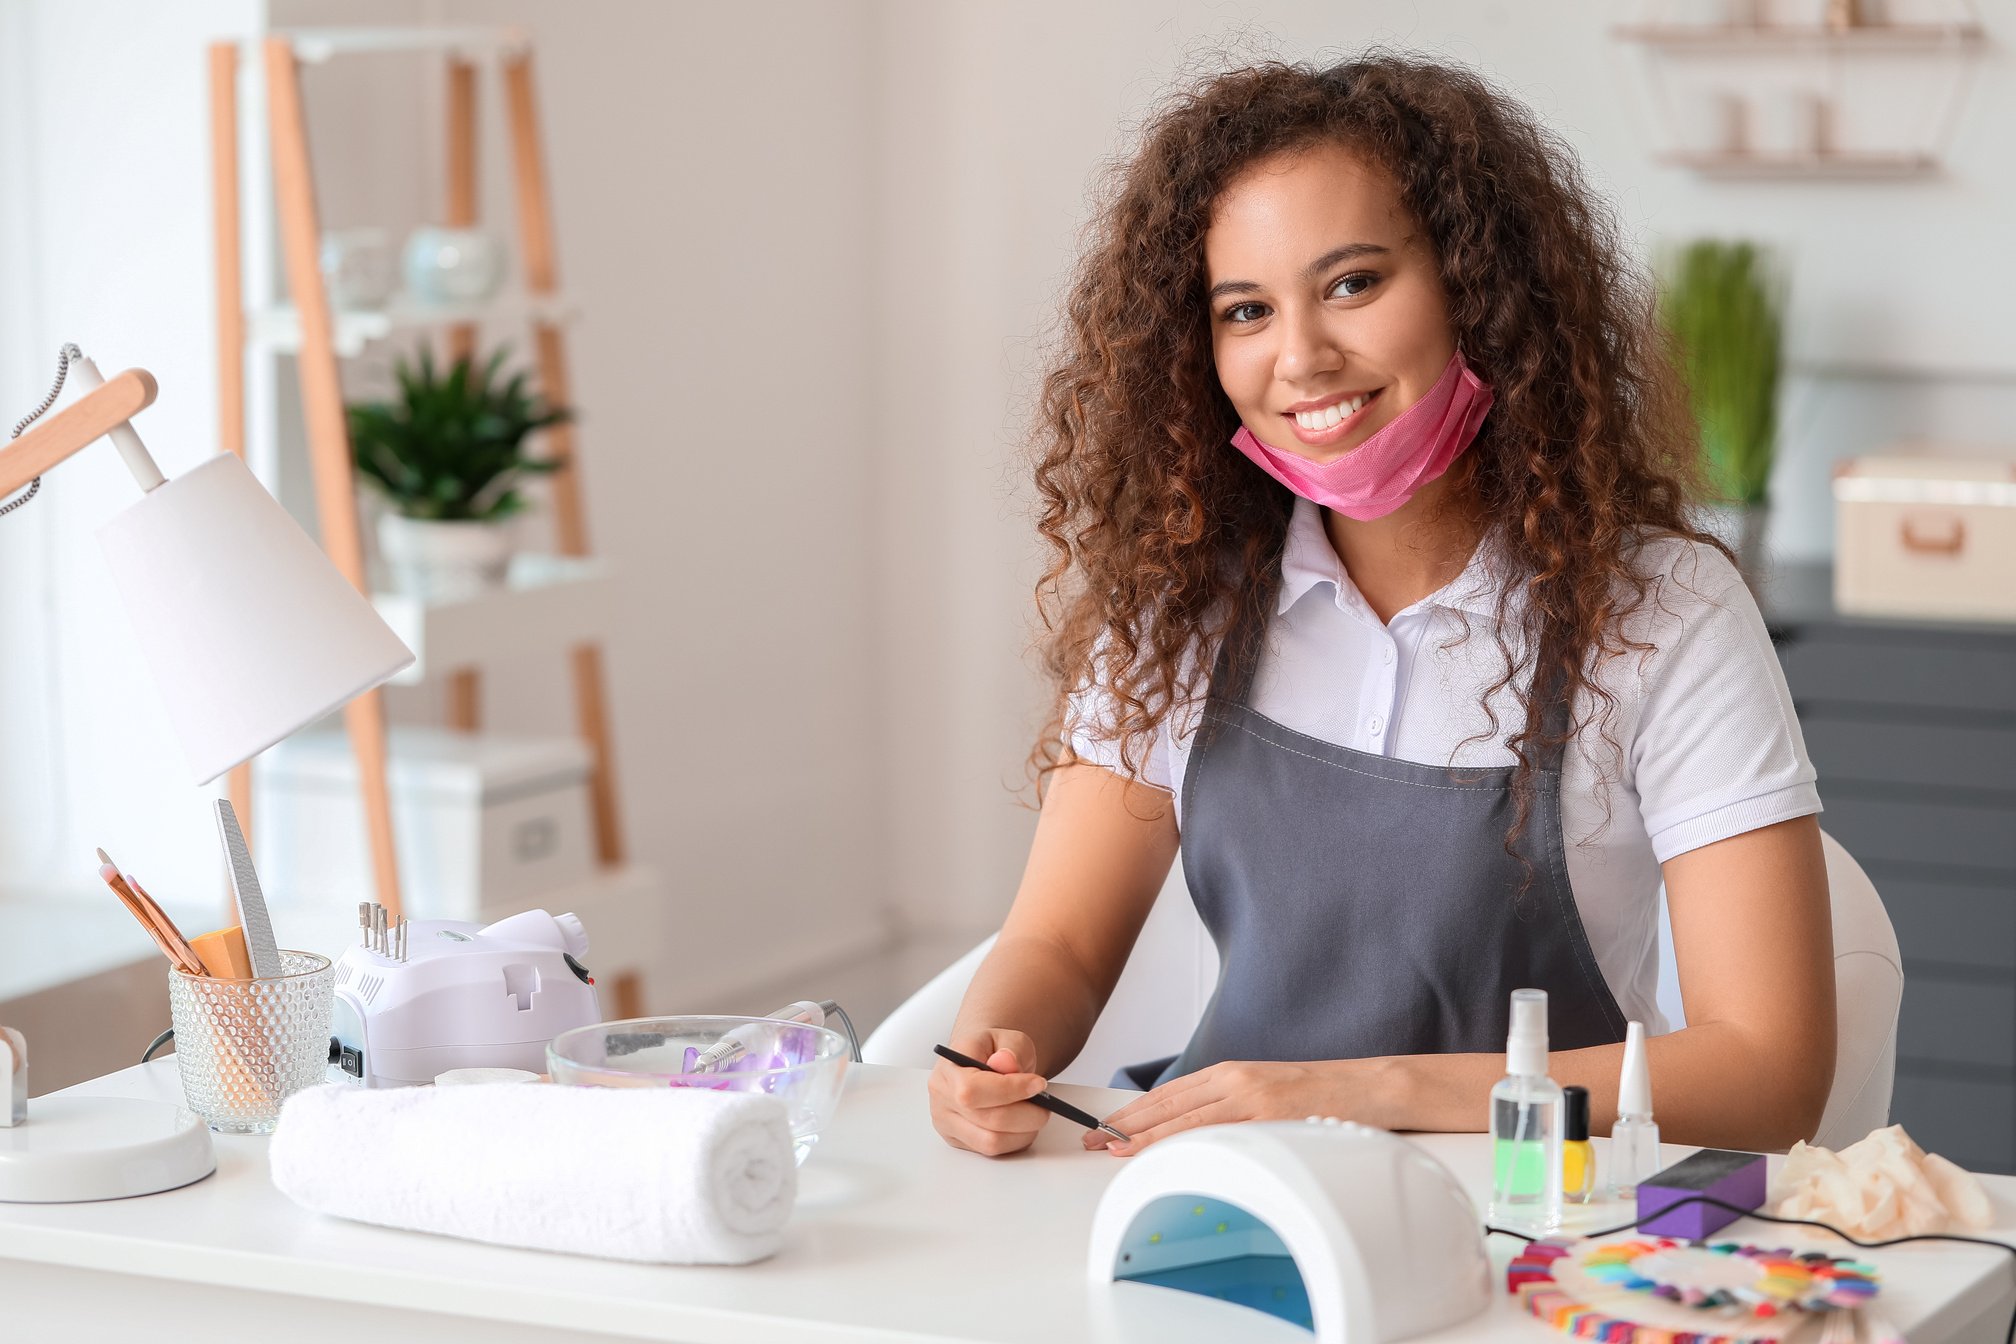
1216, 1249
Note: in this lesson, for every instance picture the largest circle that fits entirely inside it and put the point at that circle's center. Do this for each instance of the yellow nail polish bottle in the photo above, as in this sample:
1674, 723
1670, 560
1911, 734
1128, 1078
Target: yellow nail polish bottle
1578, 1155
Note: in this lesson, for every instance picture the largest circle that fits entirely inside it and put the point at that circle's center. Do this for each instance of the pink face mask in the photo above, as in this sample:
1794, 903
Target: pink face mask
1382, 473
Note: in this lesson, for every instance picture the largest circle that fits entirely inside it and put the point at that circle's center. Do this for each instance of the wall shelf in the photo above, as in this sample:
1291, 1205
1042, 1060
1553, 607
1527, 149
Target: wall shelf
1863, 37
314, 46
1836, 165
1808, 110
547, 602
552, 604
278, 328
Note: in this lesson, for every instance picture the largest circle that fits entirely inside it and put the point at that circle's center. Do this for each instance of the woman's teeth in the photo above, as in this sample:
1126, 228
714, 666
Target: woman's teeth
1331, 415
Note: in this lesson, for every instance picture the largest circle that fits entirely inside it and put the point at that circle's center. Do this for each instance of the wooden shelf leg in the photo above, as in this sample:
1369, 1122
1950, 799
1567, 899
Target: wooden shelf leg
461, 204
535, 227
465, 685
224, 190
328, 428
465, 700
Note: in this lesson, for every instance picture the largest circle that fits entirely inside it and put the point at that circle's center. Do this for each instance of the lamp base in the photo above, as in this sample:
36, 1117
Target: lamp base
73, 1149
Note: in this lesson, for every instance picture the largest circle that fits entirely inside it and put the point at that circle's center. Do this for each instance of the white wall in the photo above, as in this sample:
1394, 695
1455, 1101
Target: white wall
105, 241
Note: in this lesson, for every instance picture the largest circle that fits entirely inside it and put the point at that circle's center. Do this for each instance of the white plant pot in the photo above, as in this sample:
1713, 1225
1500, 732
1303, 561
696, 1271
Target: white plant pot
439, 561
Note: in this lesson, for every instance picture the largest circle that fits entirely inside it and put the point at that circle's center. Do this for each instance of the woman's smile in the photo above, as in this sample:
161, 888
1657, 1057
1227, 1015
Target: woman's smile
1330, 432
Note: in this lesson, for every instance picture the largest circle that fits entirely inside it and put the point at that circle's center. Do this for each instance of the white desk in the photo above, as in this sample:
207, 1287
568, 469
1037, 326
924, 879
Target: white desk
897, 1236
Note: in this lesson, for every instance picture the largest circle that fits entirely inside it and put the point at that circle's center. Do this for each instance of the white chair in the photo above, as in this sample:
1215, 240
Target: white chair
1169, 978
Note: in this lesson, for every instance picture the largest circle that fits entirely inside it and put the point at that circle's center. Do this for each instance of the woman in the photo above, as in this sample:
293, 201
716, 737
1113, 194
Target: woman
1375, 596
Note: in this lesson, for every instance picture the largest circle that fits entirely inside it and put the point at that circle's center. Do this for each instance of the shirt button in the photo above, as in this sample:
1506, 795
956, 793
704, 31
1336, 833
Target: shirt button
1374, 724
1386, 654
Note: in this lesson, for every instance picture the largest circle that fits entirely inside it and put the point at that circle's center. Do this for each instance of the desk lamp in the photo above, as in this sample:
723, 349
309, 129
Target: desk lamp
251, 633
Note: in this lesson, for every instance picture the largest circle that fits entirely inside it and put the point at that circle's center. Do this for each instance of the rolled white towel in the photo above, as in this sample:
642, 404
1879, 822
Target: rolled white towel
685, 1176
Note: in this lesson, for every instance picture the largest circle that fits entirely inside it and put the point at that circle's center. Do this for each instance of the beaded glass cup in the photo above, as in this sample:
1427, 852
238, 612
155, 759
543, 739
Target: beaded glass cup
245, 1046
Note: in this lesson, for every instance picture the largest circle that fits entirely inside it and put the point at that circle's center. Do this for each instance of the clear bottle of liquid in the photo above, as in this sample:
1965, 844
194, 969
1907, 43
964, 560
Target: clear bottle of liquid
1526, 1125
1634, 1139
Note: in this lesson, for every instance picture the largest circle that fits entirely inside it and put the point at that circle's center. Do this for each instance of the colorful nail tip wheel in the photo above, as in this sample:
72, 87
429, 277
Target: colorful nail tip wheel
1745, 1294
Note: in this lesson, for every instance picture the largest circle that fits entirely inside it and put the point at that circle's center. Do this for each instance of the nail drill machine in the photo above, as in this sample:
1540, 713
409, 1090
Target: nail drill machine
426, 996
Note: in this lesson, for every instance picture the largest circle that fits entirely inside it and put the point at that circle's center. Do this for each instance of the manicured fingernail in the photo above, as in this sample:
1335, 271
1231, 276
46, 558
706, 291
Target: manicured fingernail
1119, 1149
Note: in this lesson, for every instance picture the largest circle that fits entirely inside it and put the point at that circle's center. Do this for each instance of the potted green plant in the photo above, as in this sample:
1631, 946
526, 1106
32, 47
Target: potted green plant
1724, 303
448, 456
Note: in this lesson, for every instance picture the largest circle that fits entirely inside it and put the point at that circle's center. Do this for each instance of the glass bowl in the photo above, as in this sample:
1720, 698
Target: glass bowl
802, 1065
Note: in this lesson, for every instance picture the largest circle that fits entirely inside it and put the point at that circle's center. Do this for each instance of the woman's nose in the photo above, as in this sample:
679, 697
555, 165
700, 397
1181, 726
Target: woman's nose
1308, 349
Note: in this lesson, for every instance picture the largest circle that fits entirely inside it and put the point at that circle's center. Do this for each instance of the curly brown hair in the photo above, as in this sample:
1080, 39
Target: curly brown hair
1166, 538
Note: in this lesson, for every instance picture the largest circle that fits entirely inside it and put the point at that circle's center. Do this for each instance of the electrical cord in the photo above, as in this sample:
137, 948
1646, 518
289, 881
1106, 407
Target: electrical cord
1711, 1201
853, 1041
67, 354
64, 356
158, 1042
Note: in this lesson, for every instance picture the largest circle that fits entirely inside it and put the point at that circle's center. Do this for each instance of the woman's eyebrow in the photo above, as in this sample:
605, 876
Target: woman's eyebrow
1309, 272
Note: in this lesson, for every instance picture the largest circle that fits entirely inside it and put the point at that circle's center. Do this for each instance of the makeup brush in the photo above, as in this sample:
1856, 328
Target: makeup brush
152, 918
155, 920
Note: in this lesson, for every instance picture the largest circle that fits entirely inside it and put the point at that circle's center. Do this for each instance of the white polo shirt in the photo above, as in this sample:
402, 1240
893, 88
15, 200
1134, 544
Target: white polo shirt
1707, 742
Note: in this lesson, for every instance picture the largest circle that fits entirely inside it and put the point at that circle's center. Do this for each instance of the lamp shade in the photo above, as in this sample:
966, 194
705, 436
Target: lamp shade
251, 633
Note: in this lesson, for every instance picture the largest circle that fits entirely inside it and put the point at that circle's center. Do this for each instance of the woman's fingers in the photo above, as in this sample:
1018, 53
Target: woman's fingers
1153, 1108
978, 1089
1221, 1111
963, 1133
986, 1110
990, 1130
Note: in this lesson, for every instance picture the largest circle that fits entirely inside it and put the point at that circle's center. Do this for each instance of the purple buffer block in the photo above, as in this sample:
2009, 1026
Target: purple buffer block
1733, 1178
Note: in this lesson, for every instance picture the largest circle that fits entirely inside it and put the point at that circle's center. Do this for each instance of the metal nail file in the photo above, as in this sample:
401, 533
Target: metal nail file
258, 925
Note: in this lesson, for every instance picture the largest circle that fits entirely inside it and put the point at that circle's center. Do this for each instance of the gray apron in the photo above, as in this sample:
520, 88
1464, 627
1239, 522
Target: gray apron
1363, 906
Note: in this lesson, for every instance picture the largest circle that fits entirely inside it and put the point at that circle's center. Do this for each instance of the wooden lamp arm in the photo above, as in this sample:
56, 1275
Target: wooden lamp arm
76, 427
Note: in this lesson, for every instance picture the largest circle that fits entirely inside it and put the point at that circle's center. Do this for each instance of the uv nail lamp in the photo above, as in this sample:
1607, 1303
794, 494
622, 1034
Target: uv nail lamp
1345, 1230
460, 996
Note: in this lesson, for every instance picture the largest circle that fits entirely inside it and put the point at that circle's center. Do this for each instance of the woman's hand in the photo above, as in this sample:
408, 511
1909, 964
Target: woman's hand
988, 1113
1350, 1089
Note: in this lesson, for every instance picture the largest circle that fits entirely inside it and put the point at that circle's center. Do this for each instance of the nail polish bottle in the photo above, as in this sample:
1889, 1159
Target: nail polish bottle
1578, 1155
1634, 1140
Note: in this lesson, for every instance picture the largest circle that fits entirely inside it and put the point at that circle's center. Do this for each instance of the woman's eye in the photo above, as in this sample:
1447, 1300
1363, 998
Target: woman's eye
1350, 286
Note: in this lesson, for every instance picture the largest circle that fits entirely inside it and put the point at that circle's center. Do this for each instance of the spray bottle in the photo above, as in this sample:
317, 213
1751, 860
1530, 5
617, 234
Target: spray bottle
1526, 1124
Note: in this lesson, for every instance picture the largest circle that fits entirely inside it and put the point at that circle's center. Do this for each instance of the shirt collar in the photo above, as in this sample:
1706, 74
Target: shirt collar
1309, 561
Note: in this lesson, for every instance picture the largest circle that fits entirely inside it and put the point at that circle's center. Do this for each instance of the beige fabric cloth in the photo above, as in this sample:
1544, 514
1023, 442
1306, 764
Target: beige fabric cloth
1879, 1187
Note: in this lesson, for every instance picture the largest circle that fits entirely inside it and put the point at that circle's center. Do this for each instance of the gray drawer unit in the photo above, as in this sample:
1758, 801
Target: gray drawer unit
1912, 731
1887, 667
1940, 835
1866, 749
1969, 1120
1966, 1022
1971, 925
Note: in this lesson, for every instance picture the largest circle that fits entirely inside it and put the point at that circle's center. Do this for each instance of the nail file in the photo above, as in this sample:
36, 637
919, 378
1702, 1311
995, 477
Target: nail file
258, 925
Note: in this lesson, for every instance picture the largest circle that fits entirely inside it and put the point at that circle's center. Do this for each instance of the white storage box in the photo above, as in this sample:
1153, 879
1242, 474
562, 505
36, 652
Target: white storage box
481, 822
1926, 537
